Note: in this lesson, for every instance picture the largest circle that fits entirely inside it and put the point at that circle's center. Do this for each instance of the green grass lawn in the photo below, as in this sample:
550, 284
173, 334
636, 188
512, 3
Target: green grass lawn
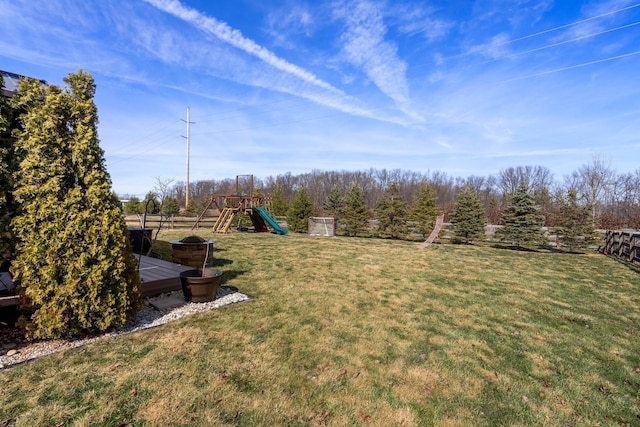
346, 331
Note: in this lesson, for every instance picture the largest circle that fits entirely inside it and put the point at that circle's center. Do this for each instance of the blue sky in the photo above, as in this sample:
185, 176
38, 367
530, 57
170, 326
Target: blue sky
464, 87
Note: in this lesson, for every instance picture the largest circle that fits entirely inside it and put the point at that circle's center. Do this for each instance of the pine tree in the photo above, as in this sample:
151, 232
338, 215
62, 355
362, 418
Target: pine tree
151, 203
354, 215
576, 227
424, 210
299, 212
133, 206
391, 213
334, 204
170, 206
467, 219
195, 207
278, 203
73, 259
522, 224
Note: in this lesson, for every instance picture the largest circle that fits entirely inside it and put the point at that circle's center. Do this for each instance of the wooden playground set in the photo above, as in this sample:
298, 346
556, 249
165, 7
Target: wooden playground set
258, 209
231, 205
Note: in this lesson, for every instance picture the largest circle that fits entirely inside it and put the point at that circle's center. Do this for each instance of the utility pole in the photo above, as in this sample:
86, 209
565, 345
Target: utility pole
186, 203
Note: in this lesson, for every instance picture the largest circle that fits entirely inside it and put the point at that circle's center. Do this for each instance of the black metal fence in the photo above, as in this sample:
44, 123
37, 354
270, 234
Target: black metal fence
623, 243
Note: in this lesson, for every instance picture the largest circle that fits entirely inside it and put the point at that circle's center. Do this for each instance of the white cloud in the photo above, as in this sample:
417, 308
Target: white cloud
280, 75
416, 19
495, 49
235, 38
281, 25
365, 46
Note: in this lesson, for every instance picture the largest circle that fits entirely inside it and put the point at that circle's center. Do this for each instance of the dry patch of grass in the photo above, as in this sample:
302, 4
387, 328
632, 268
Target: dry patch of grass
364, 332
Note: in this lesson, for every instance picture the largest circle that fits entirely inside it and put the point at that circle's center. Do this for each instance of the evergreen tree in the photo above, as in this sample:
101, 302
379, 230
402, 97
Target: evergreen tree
73, 258
151, 203
467, 219
522, 224
8, 162
576, 227
391, 213
196, 206
278, 203
299, 212
354, 214
133, 206
334, 204
424, 210
170, 206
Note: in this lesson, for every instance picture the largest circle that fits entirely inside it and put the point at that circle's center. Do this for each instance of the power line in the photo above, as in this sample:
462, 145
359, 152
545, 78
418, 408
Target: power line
230, 131
584, 64
154, 143
220, 115
124, 149
539, 33
273, 124
633, 24
571, 24
169, 138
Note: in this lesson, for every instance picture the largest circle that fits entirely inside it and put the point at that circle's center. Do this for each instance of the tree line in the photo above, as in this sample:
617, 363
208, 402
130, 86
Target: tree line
521, 217
612, 197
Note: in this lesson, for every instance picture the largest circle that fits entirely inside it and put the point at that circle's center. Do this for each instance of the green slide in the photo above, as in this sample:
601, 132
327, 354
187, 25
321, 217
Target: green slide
269, 220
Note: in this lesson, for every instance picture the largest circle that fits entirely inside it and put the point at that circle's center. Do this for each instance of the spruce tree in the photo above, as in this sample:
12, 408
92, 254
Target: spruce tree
467, 219
170, 206
299, 212
334, 204
522, 223
73, 261
278, 203
576, 227
391, 213
424, 210
354, 215
133, 206
195, 207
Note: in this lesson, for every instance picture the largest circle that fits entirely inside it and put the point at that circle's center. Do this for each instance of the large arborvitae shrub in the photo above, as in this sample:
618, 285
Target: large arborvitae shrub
8, 165
73, 259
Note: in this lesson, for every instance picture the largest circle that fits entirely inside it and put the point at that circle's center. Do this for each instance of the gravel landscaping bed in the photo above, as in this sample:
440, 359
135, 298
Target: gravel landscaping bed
14, 349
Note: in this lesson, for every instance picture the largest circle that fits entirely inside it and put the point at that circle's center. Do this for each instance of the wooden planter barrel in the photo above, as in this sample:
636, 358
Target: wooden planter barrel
191, 253
199, 288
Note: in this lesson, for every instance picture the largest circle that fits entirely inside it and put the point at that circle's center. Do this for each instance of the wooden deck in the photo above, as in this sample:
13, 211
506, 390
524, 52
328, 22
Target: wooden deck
9, 301
159, 276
